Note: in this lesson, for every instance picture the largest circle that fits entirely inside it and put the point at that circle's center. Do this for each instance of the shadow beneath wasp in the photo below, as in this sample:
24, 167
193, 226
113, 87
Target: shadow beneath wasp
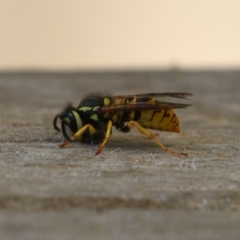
134, 143
131, 143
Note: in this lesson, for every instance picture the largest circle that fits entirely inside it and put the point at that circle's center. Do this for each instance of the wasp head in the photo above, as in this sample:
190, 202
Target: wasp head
70, 122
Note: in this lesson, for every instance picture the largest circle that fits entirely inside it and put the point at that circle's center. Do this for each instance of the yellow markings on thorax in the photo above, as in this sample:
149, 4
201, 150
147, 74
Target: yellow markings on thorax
106, 101
85, 109
95, 108
94, 117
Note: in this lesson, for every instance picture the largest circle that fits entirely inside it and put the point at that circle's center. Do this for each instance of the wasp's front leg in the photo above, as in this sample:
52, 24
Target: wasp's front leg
79, 133
107, 136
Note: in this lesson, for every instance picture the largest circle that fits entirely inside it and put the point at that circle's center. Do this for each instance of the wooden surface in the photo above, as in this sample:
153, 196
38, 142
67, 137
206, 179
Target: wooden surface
133, 190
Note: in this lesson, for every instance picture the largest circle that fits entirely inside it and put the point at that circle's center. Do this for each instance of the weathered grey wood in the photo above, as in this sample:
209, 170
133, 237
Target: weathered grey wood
133, 190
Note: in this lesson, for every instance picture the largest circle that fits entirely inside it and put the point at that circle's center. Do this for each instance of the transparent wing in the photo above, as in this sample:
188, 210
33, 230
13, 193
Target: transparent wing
181, 95
141, 106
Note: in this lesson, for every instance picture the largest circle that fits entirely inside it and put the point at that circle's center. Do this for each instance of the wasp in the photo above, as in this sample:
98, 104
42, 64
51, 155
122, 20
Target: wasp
93, 119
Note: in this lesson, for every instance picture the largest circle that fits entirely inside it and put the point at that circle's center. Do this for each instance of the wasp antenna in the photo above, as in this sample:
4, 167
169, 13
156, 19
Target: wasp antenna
55, 123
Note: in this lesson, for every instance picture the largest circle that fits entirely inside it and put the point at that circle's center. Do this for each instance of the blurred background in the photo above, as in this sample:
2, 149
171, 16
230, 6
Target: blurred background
134, 34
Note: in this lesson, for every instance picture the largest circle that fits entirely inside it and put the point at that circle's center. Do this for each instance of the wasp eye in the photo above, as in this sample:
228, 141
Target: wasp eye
71, 117
69, 126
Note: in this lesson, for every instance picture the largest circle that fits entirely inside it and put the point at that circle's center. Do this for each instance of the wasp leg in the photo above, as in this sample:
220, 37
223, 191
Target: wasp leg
153, 137
107, 136
65, 143
78, 134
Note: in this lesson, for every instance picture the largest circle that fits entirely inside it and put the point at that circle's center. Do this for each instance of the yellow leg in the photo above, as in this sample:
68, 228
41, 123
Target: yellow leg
154, 137
79, 133
107, 136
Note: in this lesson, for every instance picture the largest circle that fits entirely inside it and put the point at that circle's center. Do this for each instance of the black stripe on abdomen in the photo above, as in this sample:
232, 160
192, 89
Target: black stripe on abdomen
137, 115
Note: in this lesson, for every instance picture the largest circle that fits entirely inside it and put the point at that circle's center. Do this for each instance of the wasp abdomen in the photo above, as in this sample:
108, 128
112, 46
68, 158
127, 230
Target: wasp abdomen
165, 120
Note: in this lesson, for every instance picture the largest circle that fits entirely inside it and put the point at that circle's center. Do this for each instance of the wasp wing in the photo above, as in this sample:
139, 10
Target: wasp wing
141, 106
182, 95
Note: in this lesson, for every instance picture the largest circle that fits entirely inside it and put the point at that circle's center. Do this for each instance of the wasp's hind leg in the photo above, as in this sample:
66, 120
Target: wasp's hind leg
79, 133
153, 137
107, 136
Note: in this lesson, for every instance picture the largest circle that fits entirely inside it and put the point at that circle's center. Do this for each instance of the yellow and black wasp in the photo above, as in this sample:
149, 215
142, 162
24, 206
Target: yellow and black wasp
93, 119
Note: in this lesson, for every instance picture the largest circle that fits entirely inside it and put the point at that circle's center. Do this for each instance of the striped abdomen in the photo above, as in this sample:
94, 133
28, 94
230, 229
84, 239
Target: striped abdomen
165, 120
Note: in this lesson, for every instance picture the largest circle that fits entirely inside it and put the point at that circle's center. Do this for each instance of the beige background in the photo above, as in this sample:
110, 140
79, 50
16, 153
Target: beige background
119, 34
